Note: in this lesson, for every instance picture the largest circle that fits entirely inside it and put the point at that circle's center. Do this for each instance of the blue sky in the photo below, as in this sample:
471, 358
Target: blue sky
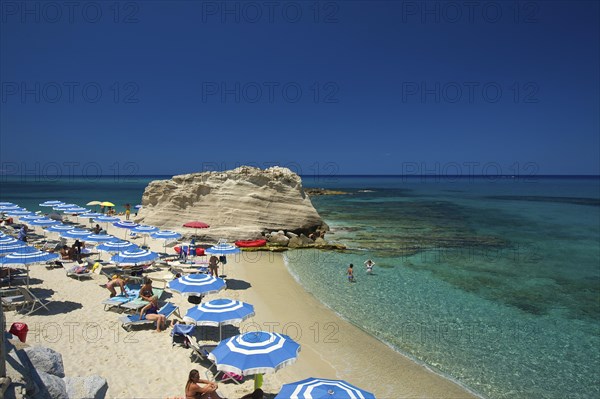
347, 87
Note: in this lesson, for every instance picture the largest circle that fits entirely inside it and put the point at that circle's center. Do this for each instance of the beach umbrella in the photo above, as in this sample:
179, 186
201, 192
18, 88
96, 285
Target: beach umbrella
196, 225
138, 207
27, 259
77, 234
19, 247
196, 284
43, 222
92, 203
219, 312
320, 388
6, 204
124, 224
106, 219
99, 238
165, 235
64, 206
117, 246
28, 218
59, 228
52, 203
256, 352
75, 210
145, 230
134, 256
106, 203
223, 249
8, 240
9, 206
90, 215
19, 212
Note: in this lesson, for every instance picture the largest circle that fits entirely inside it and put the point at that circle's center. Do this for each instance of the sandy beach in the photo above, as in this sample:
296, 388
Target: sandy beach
144, 364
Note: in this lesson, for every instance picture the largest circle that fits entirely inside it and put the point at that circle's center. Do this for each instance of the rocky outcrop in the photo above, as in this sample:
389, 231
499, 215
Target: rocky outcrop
46, 360
241, 204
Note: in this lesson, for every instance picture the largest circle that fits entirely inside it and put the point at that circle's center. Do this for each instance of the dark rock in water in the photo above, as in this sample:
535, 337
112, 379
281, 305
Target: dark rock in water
322, 191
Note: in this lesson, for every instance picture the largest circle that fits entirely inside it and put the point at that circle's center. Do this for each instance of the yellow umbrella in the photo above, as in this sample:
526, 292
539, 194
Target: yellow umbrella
106, 203
94, 203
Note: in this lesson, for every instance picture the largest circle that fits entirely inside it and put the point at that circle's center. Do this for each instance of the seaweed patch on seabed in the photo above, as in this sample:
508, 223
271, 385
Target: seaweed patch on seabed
541, 198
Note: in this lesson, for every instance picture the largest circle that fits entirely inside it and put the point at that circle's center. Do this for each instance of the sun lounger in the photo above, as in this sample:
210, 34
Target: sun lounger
74, 272
139, 303
200, 353
24, 299
131, 292
127, 322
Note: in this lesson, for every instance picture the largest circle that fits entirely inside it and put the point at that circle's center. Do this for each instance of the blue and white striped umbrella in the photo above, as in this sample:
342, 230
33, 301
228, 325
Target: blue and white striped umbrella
100, 238
2, 204
52, 203
78, 234
145, 229
197, 284
64, 206
117, 246
9, 206
27, 258
320, 388
59, 228
19, 212
106, 219
256, 352
223, 249
219, 312
75, 210
124, 224
8, 240
165, 235
44, 222
28, 218
19, 247
90, 215
134, 257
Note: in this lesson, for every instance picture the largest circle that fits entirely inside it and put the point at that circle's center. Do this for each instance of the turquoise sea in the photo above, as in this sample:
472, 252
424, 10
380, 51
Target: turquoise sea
494, 282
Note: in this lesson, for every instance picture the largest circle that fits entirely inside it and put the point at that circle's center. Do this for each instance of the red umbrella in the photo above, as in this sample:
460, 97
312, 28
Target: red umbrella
196, 225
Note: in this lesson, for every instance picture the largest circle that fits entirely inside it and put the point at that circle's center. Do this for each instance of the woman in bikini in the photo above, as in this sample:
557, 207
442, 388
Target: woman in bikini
116, 281
151, 311
146, 291
193, 389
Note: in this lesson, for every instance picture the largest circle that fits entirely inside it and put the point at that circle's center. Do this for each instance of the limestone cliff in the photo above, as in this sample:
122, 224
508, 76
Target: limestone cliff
238, 204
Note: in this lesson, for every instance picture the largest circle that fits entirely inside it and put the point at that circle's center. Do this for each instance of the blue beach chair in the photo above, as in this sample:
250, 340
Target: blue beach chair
134, 320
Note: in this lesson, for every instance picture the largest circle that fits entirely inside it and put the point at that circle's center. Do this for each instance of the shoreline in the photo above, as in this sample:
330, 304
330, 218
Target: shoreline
92, 342
390, 346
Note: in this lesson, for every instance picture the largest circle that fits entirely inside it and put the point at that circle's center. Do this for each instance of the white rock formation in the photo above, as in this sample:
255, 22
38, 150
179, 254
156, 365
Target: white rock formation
239, 204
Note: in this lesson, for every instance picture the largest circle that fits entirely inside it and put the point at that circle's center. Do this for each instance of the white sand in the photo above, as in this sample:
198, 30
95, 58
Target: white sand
144, 364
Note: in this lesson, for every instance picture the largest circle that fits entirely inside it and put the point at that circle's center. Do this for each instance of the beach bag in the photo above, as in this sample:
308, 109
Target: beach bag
195, 300
223, 259
228, 375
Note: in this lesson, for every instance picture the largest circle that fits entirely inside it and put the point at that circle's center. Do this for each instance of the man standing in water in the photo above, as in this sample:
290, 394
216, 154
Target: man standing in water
350, 273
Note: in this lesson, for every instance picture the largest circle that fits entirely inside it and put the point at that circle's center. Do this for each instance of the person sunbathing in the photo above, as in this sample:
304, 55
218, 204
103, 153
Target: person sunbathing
151, 312
193, 389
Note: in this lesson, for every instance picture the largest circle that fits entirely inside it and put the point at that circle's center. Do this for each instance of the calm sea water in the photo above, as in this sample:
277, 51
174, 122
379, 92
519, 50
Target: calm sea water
495, 283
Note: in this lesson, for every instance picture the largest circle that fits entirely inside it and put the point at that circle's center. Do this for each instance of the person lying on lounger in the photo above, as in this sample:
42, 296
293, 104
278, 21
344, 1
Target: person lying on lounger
151, 312
194, 389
